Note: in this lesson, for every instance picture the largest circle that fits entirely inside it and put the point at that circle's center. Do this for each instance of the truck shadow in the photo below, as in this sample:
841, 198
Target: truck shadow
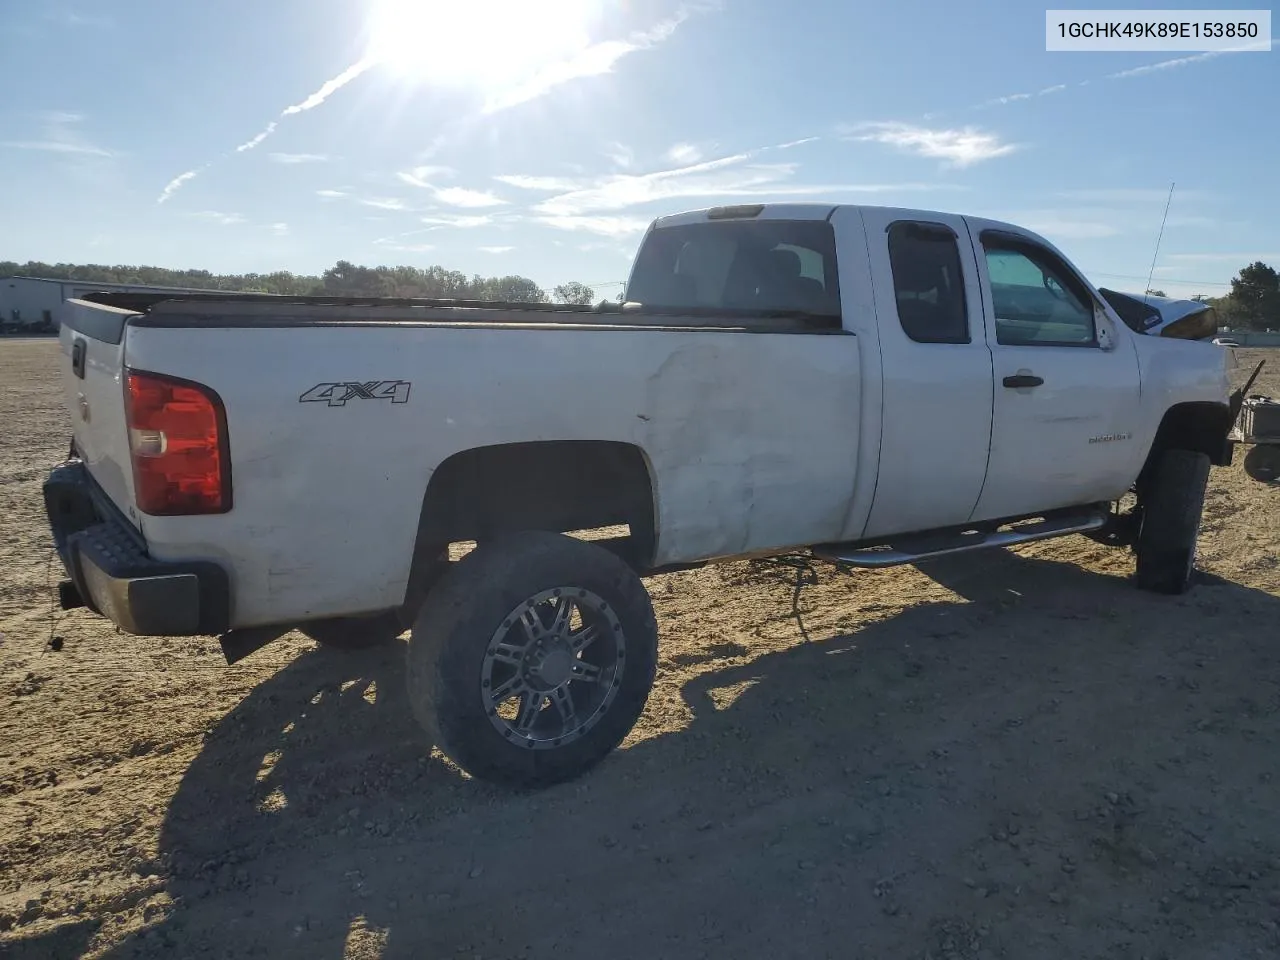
827, 795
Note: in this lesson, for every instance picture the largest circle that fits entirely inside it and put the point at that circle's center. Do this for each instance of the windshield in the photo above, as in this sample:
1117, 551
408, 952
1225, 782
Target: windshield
758, 265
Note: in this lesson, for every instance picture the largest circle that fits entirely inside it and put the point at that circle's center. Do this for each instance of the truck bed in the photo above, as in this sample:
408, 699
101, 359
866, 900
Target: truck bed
273, 310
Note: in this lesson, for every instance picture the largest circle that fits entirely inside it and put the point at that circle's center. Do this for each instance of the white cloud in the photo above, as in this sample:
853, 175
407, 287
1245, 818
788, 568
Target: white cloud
462, 221
173, 185
732, 176
452, 196
422, 176
1150, 68
216, 216
384, 203
280, 229
329, 87
684, 153
620, 155
619, 191
250, 144
55, 146
796, 143
602, 226
960, 147
594, 60
549, 184
332, 194
463, 197
495, 249
60, 134
1165, 65
416, 178
293, 158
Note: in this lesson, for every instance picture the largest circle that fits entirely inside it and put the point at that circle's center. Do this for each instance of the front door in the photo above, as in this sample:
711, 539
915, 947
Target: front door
936, 421
1066, 383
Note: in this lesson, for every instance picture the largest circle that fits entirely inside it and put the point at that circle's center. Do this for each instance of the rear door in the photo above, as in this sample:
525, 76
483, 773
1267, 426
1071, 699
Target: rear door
1066, 381
937, 379
91, 355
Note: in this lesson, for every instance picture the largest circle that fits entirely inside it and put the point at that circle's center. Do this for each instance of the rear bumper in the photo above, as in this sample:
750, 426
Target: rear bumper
111, 573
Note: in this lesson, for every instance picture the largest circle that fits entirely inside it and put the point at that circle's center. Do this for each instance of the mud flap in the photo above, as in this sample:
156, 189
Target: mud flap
238, 644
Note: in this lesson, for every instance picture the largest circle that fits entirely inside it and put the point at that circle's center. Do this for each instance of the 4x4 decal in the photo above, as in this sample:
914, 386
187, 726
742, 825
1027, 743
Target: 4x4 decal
337, 394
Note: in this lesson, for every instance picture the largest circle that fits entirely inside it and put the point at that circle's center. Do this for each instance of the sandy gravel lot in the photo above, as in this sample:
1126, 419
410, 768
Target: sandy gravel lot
1015, 756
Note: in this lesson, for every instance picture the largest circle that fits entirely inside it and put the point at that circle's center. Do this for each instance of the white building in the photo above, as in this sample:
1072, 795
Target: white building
37, 304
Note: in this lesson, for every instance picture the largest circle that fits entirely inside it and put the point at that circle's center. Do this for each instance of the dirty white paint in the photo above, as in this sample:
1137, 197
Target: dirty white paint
95, 405
737, 429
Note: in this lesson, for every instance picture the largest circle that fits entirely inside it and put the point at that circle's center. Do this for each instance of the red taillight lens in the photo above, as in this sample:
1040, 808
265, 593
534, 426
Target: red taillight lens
178, 442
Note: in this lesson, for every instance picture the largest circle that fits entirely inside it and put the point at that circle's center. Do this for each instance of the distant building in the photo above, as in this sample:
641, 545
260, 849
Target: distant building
32, 303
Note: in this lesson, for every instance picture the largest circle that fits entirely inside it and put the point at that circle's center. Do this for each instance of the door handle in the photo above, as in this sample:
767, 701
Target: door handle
77, 358
1023, 380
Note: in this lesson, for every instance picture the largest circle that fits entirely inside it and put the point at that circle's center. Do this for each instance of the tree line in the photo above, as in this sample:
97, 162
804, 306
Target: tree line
344, 279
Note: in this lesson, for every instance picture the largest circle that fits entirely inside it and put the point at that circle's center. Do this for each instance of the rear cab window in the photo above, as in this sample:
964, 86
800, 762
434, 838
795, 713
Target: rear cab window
766, 266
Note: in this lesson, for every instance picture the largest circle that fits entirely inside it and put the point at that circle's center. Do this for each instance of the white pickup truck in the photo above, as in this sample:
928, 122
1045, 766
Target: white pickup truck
874, 385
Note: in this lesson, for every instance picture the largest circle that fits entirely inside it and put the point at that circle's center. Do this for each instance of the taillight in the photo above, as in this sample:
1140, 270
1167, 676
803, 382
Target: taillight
178, 442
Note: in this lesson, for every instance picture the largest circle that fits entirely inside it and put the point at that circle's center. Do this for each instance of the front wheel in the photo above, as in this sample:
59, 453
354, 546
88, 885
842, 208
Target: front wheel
533, 658
1174, 502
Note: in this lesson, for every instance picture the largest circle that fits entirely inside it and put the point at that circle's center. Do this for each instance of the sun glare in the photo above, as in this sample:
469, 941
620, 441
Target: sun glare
487, 44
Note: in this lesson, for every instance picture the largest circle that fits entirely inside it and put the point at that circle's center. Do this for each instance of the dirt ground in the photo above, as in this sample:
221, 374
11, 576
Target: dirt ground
1018, 755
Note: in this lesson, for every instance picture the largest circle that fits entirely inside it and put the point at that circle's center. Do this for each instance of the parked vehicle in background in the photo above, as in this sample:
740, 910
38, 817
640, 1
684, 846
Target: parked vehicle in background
875, 386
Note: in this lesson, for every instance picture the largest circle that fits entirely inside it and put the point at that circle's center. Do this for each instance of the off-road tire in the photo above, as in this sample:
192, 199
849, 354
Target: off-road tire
453, 631
1262, 463
1173, 501
355, 633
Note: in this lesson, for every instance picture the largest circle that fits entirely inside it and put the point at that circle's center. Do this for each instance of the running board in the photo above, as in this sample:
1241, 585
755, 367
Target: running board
911, 549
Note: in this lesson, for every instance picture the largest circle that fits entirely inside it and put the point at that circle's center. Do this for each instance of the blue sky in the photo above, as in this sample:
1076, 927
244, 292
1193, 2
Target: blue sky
540, 138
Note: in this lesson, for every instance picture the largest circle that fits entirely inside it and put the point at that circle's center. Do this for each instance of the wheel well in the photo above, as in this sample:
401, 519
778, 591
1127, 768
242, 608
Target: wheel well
1202, 427
557, 485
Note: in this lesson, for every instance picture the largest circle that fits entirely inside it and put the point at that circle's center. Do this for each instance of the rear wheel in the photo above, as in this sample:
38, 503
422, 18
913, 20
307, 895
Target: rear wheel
533, 658
1172, 505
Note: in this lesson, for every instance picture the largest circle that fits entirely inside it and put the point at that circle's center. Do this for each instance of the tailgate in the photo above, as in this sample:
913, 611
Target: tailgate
92, 360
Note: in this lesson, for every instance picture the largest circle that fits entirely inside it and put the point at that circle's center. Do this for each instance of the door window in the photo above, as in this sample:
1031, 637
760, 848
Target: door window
1038, 302
927, 283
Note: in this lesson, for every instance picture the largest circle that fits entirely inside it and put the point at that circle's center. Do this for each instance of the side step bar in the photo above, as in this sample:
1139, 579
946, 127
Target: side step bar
924, 547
